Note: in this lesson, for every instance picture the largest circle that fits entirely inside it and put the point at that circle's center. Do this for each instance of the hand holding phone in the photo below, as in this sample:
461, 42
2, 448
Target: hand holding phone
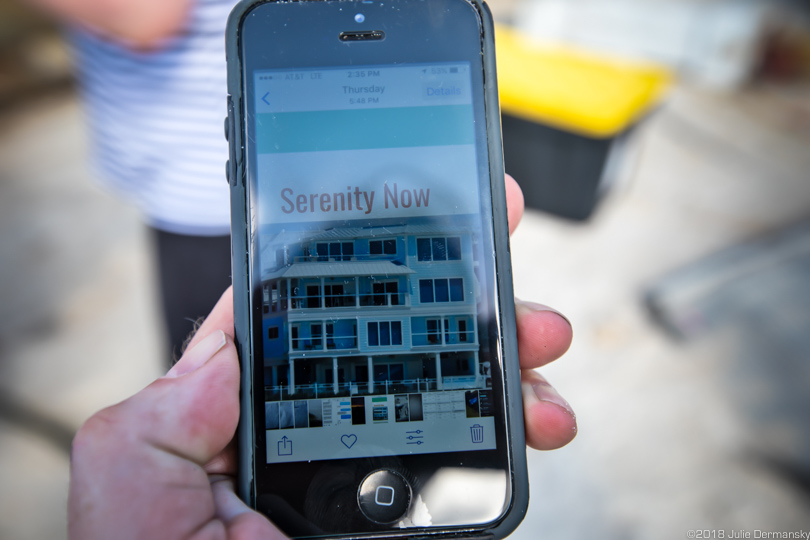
373, 299
133, 466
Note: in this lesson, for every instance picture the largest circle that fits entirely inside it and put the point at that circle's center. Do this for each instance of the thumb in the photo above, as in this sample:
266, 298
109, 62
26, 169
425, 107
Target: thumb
240, 521
138, 466
193, 410
201, 353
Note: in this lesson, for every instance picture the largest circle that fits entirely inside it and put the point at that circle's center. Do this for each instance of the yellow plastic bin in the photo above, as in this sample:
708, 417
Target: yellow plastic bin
565, 114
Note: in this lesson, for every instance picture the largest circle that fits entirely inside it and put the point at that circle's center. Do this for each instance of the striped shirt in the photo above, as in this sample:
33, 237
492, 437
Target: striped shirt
156, 119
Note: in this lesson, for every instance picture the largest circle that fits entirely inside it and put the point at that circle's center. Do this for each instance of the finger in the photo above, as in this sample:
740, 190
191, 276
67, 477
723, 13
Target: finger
543, 334
198, 416
514, 202
241, 522
550, 421
220, 318
201, 350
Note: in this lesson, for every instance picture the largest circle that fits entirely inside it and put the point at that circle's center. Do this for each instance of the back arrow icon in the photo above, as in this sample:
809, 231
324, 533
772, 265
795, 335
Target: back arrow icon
264, 98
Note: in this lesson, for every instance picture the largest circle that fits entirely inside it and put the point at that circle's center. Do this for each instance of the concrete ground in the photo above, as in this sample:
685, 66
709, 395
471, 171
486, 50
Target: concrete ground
663, 446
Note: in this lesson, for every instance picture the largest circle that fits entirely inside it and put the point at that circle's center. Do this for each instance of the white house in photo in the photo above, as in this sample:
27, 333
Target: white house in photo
364, 311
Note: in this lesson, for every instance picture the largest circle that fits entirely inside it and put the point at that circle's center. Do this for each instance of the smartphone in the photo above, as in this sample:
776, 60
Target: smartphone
374, 310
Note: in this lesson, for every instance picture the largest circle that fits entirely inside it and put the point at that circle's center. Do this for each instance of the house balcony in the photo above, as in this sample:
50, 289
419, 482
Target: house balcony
348, 300
434, 338
330, 390
343, 284
333, 342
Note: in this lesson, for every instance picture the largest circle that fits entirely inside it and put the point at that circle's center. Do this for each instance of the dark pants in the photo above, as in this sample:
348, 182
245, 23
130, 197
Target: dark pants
193, 272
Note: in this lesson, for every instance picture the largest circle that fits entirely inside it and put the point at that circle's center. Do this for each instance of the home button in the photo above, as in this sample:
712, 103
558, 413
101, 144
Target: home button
384, 496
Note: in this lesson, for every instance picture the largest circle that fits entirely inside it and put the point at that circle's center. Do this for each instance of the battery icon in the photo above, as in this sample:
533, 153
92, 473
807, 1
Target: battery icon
477, 433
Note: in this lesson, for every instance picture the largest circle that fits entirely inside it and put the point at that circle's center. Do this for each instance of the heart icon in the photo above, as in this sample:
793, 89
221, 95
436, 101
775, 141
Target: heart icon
348, 440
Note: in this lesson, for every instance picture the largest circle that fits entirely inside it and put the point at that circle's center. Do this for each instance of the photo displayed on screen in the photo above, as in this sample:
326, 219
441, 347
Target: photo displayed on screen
374, 307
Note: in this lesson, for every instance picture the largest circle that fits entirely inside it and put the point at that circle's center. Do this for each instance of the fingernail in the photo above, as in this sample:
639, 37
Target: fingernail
542, 391
198, 355
523, 306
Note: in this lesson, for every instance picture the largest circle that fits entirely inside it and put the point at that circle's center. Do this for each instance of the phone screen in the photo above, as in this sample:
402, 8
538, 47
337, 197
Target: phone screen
369, 242
375, 341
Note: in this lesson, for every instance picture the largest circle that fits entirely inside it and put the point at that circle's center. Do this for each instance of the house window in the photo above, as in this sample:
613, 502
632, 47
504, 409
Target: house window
456, 290
335, 251
316, 331
389, 372
462, 330
270, 298
441, 290
434, 328
274, 297
313, 296
382, 247
272, 332
345, 338
302, 342
384, 334
335, 296
385, 293
438, 249
433, 331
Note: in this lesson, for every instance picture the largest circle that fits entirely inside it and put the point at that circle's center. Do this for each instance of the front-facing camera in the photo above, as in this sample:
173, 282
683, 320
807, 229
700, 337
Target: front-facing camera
359, 17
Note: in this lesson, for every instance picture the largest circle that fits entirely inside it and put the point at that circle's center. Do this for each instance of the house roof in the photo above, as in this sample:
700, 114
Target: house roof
345, 269
391, 230
295, 236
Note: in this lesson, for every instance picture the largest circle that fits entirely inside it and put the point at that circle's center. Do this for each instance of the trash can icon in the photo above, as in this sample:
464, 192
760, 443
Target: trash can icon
477, 433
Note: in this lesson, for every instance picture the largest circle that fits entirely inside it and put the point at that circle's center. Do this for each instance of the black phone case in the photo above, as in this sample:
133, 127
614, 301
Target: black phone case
240, 244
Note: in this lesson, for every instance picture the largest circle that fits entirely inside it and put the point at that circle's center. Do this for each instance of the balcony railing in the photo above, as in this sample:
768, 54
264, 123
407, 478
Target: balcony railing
342, 258
327, 390
333, 342
419, 339
384, 299
318, 301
